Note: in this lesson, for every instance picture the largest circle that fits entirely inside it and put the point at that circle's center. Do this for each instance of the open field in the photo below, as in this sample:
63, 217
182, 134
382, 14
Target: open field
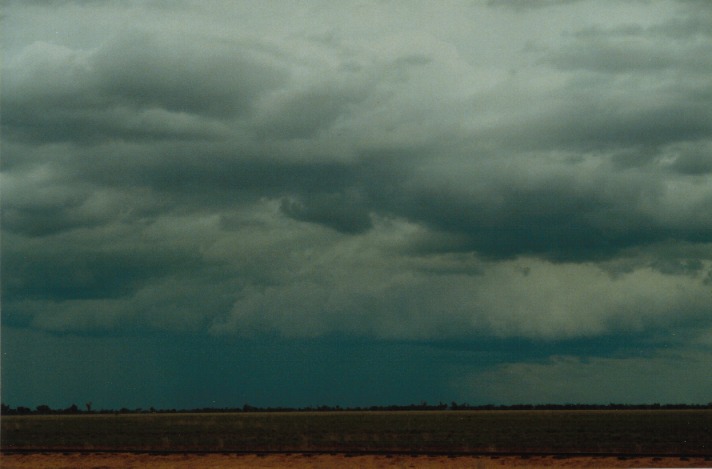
450, 439
616, 432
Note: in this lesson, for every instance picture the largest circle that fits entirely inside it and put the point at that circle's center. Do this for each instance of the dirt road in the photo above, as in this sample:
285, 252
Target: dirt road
228, 461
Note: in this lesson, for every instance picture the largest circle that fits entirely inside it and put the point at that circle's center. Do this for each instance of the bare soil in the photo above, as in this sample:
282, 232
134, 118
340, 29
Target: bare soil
227, 461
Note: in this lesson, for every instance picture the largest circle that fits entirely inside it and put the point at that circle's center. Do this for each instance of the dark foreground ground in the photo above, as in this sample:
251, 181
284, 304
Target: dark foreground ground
619, 432
561, 438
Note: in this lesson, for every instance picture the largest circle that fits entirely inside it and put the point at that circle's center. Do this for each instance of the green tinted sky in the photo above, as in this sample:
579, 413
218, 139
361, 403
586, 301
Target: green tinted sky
356, 203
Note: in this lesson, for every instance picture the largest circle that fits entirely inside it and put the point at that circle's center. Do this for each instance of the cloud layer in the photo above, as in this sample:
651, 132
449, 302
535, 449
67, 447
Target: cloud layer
389, 171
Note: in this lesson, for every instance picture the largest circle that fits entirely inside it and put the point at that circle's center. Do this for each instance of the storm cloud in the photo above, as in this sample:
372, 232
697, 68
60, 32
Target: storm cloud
387, 172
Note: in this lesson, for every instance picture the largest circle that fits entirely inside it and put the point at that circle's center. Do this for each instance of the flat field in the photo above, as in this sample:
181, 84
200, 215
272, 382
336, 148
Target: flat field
618, 432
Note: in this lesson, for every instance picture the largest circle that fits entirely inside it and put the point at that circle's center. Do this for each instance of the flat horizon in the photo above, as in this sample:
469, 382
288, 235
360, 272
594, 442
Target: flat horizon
312, 203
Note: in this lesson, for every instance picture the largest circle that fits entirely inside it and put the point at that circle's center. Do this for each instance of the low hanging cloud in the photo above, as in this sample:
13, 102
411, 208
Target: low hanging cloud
566, 379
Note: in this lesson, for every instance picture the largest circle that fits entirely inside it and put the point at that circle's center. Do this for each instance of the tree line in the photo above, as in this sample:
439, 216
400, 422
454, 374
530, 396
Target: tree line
423, 406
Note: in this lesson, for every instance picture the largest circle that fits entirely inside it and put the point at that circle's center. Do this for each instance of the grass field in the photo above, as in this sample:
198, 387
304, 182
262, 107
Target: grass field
596, 431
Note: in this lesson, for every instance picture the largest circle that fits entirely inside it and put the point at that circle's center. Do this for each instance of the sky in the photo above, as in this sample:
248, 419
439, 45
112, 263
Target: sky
218, 203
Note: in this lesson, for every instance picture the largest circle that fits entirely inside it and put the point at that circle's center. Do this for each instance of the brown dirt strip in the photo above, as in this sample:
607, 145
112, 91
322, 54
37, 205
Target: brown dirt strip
240, 461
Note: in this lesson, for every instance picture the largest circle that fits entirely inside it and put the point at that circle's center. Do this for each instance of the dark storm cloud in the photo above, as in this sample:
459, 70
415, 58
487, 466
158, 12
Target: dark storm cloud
135, 86
385, 172
539, 222
334, 210
588, 123
52, 275
304, 114
693, 159
194, 75
567, 214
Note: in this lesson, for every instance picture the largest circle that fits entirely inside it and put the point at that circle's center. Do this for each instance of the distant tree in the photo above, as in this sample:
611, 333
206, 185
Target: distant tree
248, 408
43, 409
5, 409
88, 405
72, 409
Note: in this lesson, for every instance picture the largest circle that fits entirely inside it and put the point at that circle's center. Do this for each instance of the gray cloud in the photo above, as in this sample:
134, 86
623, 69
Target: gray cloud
569, 379
523, 4
303, 114
692, 159
194, 75
136, 86
274, 173
334, 210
